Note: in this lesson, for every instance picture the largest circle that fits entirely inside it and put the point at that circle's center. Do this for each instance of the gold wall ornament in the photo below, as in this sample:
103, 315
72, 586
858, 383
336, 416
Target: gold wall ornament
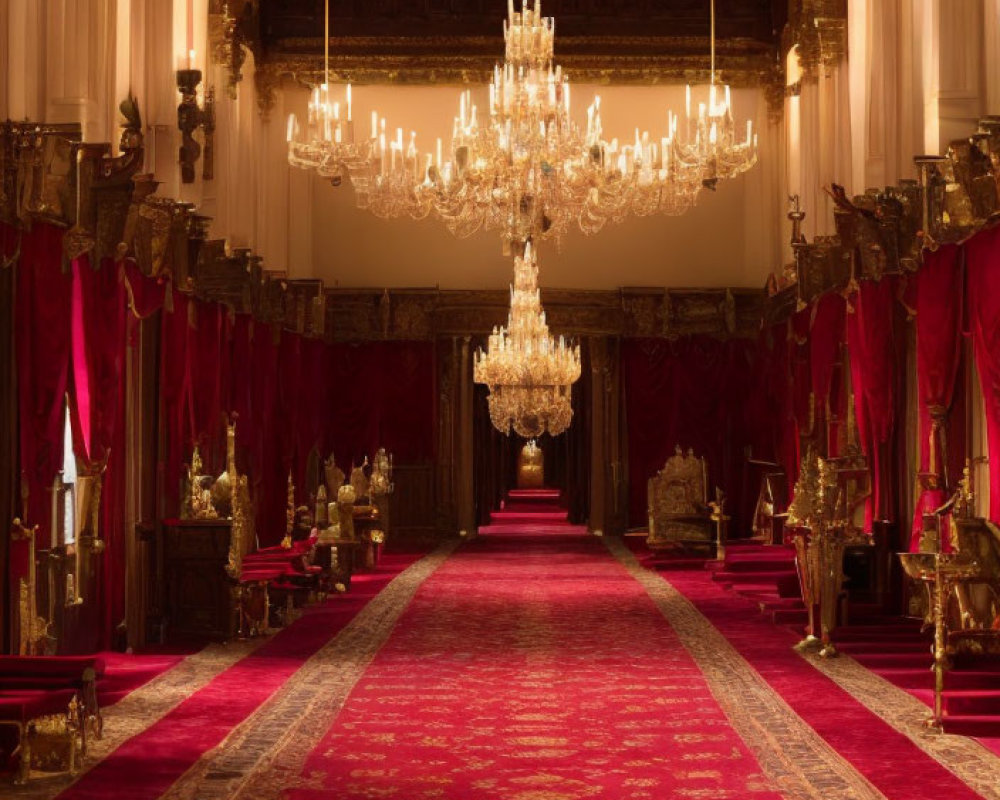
819, 29
32, 629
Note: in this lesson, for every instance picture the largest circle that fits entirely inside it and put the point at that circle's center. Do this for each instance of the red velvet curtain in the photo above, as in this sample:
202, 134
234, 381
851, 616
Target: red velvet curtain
826, 338
42, 330
688, 392
97, 398
939, 304
871, 344
208, 365
174, 391
382, 394
983, 265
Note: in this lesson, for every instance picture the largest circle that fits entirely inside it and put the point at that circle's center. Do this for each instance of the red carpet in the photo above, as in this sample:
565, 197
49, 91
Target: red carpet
536, 667
890, 760
145, 766
536, 671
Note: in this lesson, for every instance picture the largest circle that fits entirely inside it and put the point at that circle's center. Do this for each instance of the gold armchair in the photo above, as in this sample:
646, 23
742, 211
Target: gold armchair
677, 499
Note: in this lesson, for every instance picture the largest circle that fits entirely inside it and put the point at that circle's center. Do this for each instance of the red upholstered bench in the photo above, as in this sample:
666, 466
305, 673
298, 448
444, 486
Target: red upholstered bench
51, 699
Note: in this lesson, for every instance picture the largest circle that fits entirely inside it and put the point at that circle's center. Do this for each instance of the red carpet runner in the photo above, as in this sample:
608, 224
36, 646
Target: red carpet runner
146, 765
534, 668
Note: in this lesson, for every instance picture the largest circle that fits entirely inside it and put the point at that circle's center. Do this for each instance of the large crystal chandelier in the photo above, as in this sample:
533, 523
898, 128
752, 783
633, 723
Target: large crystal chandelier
528, 373
526, 169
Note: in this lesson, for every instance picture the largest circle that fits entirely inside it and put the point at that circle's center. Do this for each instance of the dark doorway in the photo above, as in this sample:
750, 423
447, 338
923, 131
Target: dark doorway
567, 456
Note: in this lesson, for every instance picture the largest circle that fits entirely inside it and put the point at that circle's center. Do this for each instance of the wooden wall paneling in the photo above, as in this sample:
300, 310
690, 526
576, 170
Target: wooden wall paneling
8, 444
413, 507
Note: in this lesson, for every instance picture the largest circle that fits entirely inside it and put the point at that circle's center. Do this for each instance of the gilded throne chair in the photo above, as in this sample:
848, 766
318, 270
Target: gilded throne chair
680, 516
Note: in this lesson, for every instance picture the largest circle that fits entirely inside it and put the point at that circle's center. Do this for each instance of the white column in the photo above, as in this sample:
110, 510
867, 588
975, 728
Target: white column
960, 95
24, 54
991, 49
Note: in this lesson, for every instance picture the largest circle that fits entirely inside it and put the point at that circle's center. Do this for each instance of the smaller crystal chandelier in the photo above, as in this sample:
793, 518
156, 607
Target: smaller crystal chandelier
528, 373
330, 146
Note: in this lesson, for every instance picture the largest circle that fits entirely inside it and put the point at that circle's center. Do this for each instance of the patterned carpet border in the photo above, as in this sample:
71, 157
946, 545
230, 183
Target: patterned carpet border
270, 746
968, 760
142, 708
796, 758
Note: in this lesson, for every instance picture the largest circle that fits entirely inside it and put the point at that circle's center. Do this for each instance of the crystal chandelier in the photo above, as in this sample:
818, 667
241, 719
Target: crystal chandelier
529, 374
329, 146
529, 171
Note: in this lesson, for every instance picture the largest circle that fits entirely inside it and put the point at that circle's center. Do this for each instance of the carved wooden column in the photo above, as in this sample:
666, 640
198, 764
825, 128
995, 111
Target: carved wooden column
598, 434
617, 510
465, 490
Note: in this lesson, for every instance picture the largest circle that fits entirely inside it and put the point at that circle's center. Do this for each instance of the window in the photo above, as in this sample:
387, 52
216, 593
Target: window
69, 484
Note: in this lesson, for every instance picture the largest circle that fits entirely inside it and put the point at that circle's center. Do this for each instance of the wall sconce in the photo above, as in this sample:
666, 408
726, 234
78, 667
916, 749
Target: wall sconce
190, 117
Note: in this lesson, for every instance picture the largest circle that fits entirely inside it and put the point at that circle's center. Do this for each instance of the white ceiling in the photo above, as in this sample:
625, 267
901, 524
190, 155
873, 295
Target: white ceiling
721, 242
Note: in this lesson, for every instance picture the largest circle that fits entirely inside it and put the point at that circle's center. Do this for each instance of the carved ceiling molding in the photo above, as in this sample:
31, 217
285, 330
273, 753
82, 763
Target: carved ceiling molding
372, 315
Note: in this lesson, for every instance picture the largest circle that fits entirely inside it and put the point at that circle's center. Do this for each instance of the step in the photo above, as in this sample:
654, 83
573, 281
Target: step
884, 647
761, 578
980, 725
529, 517
923, 678
534, 494
877, 662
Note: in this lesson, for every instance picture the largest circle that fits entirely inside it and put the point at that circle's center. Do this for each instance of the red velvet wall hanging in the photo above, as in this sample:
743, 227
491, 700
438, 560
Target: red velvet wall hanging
871, 344
983, 265
691, 393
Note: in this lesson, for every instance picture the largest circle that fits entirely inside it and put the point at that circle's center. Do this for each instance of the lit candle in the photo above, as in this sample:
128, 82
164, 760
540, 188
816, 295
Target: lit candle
687, 100
291, 128
749, 130
566, 96
349, 102
439, 152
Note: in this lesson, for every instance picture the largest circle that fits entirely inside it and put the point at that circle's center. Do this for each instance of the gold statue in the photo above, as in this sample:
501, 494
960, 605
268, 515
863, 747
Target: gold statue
345, 511
381, 487
333, 476
531, 467
360, 482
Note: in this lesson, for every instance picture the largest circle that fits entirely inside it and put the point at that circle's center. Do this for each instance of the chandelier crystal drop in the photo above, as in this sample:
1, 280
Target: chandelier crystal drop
528, 372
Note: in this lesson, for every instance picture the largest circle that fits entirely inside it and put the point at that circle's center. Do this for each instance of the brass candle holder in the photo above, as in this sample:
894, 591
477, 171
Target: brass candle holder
190, 117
